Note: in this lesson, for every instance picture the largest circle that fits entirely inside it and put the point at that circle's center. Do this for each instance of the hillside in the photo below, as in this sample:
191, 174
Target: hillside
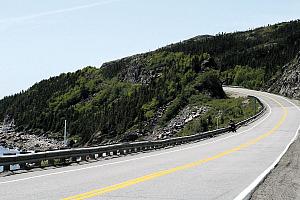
267, 48
239, 56
175, 90
93, 101
289, 83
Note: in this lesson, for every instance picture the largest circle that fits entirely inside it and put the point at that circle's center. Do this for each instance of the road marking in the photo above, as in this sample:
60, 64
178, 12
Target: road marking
248, 190
101, 191
144, 157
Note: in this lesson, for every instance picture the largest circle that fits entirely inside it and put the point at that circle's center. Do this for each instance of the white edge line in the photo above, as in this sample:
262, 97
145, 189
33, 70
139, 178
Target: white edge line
129, 160
248, 191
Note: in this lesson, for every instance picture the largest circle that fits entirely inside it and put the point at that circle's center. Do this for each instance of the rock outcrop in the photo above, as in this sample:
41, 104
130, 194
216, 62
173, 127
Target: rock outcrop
130, 69
152, 130
177, 123
9, 138
289, 82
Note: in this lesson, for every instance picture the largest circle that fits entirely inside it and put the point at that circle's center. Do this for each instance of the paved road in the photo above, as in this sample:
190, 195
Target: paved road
218, 168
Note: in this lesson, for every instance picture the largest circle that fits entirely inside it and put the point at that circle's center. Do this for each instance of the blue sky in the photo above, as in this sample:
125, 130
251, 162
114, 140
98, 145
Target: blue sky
39, 39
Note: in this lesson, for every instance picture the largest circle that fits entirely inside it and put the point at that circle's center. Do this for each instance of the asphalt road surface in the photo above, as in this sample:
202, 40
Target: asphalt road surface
217, 168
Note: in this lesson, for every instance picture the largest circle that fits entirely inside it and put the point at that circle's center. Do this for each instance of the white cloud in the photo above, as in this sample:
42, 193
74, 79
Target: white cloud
54, 12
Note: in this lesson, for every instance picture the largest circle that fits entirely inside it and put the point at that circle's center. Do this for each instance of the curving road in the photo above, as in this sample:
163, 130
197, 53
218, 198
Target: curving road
225, 167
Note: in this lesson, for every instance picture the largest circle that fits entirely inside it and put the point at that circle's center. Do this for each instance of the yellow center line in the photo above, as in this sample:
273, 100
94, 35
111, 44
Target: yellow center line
101, 191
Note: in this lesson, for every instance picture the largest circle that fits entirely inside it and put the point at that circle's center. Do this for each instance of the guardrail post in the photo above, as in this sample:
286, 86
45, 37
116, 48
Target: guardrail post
92, 156
73, 159
144, 148
100, 154
22, 166
115, 152
83, 158
51, 162
123, 152
38, 163
132, 150
62, 160
6, 168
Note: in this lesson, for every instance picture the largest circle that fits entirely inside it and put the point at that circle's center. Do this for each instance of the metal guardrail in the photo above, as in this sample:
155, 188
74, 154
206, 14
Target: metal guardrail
67, 156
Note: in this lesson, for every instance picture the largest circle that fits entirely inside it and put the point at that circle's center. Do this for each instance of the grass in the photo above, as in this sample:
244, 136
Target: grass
219, 113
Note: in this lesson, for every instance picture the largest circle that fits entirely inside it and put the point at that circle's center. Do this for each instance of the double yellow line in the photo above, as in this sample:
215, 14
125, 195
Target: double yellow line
101, 191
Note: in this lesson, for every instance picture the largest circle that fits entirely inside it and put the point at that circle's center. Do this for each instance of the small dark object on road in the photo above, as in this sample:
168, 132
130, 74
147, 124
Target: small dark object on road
232, 125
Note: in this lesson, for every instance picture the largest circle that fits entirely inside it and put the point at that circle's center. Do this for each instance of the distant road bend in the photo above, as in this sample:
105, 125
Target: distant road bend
218, 168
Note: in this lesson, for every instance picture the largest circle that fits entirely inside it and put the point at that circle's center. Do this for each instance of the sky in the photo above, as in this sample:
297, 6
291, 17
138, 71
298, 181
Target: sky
40, 39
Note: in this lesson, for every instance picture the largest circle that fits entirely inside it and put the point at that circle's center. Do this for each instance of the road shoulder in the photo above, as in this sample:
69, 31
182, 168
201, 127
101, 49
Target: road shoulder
284, 180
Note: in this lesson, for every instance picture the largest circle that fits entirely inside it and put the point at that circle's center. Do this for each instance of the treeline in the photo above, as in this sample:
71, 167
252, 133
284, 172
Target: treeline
267, 48
93, 101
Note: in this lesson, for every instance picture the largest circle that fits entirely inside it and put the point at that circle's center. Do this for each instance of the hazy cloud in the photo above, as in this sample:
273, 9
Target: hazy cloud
53, 12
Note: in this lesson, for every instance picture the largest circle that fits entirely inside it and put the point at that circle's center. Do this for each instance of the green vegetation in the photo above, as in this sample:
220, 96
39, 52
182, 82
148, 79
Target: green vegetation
245, 76
124, 93
219, 113
92, 102
265, 50
150, 107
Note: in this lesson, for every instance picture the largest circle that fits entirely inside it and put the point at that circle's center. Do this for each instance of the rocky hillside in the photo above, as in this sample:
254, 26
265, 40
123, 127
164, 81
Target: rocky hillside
289, 82
96, 102
175, 90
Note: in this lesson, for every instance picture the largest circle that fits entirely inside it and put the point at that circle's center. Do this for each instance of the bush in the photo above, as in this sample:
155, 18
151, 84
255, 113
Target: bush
248, 77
